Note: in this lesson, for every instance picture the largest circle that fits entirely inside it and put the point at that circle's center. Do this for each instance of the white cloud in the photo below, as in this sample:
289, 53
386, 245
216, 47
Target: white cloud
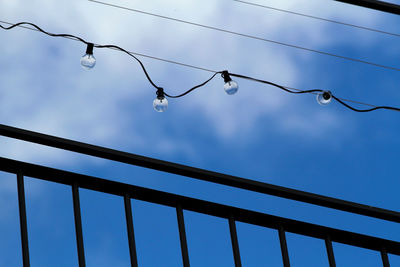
44, 89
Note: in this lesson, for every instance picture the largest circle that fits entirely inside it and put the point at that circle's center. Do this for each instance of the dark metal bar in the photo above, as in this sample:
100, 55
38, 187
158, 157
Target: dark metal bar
199, 174
385, 258
377, 5
130, 230
78, 224
201, 206
235, 242
329, 250
284, 249
22, 220
182, 236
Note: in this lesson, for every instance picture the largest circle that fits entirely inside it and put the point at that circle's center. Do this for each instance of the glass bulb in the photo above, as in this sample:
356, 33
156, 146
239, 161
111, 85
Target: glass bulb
324, 98
88, 61
160, 104
231, 87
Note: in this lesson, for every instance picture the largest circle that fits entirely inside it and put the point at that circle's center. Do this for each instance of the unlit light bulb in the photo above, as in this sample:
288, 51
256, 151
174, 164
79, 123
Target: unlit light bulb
88, 61
324, 98
230, 86
160, 104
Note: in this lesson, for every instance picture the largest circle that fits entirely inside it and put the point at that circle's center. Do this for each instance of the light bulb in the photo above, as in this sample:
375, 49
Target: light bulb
160, 104
88, 61
230, 87
324, 98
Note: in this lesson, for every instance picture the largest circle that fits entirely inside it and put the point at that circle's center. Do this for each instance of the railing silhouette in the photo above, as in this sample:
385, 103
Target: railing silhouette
180, 203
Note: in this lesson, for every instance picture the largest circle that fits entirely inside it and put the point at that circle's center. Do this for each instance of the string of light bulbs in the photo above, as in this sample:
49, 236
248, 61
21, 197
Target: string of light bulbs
160, 103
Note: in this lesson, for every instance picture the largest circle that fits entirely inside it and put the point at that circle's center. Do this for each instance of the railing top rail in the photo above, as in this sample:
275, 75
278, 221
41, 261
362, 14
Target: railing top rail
197, 205
375, 4
200, 174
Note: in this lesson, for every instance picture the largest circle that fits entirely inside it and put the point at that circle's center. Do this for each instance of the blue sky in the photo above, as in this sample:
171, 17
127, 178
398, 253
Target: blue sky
260, 133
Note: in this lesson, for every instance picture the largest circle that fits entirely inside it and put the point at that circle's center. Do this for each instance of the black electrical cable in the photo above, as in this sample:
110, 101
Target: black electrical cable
223, 73
289, 90
276, 85
318, 18
19, 24
134, 53
193, 88
83, 41
253, 37
313, 91
364, 110
130, 54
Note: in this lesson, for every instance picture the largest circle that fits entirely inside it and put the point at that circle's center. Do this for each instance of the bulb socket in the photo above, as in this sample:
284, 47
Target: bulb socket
160, 93
226, 76
89, 49
327, 95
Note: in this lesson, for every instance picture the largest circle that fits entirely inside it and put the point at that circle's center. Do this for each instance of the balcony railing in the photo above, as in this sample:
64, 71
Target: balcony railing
181, 203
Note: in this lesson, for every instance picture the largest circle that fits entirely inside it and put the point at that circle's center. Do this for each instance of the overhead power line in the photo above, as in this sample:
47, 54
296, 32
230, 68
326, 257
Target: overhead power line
319, 18
323, 95
253, 37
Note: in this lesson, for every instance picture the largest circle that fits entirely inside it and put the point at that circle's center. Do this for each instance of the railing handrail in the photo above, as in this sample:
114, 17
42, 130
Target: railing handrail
196, 205
200, 174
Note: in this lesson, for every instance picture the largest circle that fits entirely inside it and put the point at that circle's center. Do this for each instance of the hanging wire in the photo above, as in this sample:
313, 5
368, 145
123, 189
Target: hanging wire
313, 91
194, 88
73, 37
253, 37
115, 47
21, 24
276, 85
133, 53
318, 18
364, 110
130, 54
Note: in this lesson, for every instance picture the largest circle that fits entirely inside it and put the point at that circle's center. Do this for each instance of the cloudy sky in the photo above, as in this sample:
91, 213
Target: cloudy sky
260, 133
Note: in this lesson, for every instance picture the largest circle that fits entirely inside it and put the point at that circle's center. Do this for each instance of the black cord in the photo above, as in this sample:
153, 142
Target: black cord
313, 91
286, 89
193, 88
43, 31
364, 110
276, 85
130, 54
85, 42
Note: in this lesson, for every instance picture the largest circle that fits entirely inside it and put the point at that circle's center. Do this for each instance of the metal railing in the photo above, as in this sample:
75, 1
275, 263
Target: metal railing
181, 203
384, 6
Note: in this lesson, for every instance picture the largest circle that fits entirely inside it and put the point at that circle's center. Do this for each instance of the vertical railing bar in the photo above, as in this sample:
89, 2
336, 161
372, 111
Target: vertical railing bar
78, 225
329, 250
130, 231
284, 249
385, 258
23, 220
235, 243
182, 236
